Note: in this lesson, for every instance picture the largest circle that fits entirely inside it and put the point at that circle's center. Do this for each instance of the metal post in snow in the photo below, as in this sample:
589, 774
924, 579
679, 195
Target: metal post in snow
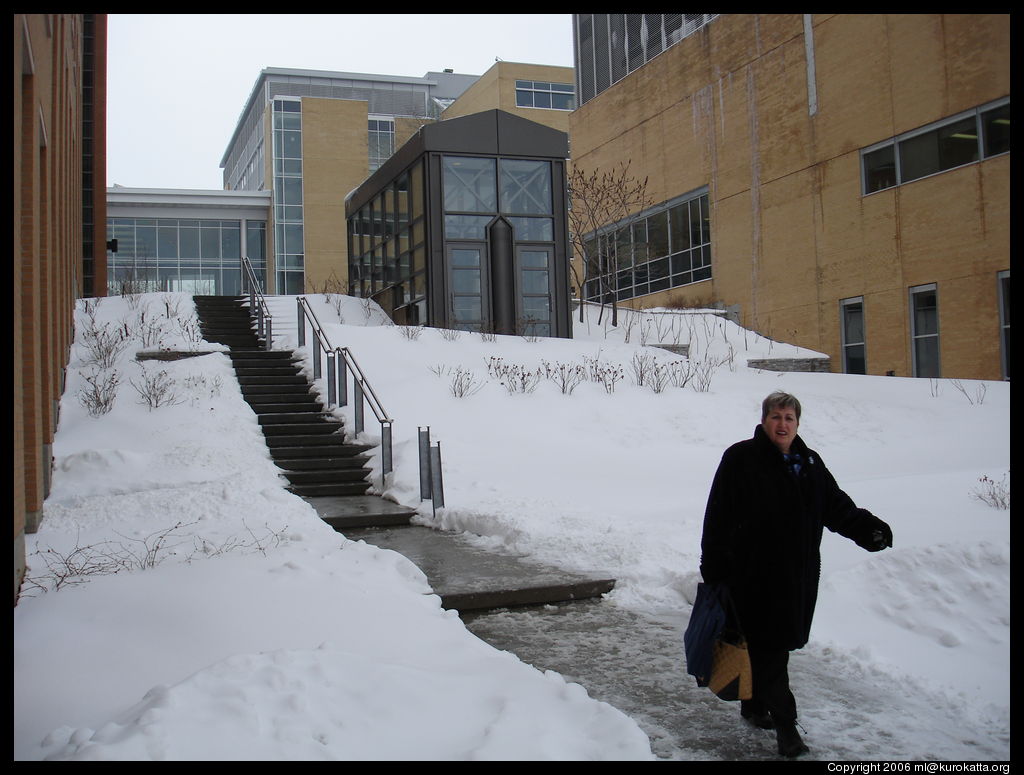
301, 319
358, 408
332, 384
385, 433
424, 445
342, 380
436, 481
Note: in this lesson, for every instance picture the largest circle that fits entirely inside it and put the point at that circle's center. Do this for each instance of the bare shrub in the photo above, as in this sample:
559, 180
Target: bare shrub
147, 328
566, 376
704, 371
641, 365
97, 397
412, 333
450, 334
514, 378
680, 372
334, 291
80, 564
660, 377
464, 383
604, 374
978, 397
190, 331
993, 493
156, 389
103, 345
199, 387
172, 305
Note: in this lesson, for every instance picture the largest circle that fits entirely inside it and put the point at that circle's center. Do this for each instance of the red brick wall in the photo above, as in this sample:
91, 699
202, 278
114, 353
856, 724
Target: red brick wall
47, 241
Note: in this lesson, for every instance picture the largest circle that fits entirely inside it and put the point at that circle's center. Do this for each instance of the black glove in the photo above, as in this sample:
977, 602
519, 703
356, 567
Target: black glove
880, 537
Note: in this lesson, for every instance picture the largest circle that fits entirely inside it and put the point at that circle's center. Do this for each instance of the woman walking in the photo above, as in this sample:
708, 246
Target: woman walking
769, 501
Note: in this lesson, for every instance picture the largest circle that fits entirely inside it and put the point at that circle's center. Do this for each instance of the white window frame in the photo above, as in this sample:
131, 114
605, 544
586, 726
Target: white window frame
915, 337
845, 342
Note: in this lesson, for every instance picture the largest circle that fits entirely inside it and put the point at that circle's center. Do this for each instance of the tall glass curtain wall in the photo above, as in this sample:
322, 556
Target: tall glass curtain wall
665, 249
198, 256
476, 191
289, 255
388, 252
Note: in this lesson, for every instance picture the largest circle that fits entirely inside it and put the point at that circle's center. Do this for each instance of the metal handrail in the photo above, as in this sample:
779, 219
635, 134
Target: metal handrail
258, 304
337, 379
360, 379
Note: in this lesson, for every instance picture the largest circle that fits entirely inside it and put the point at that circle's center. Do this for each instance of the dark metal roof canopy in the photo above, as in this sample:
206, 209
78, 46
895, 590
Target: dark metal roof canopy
492, 132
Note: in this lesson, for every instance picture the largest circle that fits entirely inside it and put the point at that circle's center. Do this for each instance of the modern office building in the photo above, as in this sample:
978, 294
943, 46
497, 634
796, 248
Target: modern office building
310, 137
184, 240
465, 227
841, 181
59, 173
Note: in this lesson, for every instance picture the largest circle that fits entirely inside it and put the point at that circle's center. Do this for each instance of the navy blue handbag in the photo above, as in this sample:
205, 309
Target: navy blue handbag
707, 620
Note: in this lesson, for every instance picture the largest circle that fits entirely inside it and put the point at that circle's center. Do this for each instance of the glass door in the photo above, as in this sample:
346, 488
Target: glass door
535, 284
467, 279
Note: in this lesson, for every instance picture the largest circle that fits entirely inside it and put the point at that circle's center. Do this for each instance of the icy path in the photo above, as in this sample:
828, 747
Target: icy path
634, 662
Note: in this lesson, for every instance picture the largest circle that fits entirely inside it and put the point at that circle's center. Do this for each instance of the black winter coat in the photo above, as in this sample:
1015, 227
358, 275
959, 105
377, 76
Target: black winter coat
762, 536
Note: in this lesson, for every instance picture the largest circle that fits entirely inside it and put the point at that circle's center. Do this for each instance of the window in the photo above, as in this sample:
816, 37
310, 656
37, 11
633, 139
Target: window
466, 266
852, 331
667, 247
288, 213
186, 254
982, 133
1004, 320
381, 141
541, 94
470, 185
609, 46
924, 330
525, 187
535, 291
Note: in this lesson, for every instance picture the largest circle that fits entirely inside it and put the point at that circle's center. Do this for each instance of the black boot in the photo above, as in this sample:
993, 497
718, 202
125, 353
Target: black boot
790, 743
755, 714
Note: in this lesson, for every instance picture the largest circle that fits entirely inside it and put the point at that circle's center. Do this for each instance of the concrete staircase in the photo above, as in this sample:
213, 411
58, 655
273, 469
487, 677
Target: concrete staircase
305, 441
308, 444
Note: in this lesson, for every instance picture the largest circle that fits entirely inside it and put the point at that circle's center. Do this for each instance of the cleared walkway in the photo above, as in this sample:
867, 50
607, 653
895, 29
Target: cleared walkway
468, 578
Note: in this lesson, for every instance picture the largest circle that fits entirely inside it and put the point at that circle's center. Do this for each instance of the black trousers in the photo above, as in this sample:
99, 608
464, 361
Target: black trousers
771, 693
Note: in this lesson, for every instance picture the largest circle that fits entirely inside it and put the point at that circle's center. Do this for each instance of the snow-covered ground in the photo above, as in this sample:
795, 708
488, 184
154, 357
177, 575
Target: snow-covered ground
238, 626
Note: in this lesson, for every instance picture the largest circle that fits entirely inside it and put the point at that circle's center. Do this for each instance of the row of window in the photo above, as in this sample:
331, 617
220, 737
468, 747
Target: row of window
387, 245
610, 46
665, 249
924, 330
978, 134
476, 185
288, 209
542, 94
191, 255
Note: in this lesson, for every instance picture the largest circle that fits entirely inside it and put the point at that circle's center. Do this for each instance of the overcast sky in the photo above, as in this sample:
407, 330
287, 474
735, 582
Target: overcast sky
177, 83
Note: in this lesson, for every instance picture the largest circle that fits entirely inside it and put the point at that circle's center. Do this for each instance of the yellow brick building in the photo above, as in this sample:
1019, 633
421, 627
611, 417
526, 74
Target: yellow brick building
844, 179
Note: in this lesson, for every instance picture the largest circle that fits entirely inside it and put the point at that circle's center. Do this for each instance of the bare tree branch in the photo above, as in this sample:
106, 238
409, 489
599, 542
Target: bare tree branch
600, 201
